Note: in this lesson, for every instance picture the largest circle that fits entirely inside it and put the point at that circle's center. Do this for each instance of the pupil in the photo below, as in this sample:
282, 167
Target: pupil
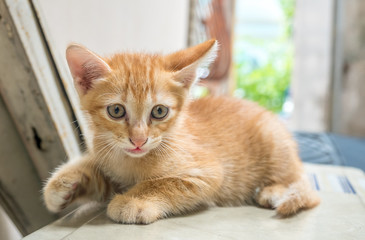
116, 110
159, 110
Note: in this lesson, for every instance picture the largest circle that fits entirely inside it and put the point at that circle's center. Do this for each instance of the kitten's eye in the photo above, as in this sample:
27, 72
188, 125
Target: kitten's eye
159, 111
116, 111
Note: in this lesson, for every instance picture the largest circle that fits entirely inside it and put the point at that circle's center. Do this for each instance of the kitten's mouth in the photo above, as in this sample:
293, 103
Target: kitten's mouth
136, 151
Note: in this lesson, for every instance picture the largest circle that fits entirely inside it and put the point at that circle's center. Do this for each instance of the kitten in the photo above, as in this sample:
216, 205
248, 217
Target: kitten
157, 153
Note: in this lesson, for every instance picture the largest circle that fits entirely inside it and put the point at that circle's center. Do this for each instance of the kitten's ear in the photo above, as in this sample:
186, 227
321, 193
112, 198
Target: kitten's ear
86, 67
186, 62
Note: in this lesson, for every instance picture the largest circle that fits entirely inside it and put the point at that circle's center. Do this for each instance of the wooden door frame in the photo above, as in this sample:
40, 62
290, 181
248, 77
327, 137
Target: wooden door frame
39, 110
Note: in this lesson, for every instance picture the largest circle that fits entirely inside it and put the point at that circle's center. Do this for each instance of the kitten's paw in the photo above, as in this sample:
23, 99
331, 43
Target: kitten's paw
270, 195
126, 209
60, 191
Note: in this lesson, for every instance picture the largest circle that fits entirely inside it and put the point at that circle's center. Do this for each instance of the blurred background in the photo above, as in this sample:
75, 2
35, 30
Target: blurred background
301, 59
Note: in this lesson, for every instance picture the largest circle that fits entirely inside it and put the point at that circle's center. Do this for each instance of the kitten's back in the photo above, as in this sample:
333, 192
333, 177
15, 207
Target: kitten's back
252, 143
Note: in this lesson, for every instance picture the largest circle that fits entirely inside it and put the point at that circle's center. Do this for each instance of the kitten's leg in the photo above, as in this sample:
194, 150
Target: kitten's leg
269, 196
151, 200
75, 180
288, 200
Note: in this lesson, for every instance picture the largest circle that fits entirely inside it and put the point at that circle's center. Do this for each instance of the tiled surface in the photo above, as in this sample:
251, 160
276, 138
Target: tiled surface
330, 148
317, 148
350, 149
340, 216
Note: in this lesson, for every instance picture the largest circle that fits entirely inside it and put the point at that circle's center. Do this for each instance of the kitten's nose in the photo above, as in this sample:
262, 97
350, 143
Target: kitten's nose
138, 142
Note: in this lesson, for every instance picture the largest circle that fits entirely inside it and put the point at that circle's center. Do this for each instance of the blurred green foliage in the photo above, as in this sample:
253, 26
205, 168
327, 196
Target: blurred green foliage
266, 84
288, 7
263, 67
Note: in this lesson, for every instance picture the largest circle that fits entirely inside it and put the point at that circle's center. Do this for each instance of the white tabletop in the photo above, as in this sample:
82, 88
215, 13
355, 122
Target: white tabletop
341, 215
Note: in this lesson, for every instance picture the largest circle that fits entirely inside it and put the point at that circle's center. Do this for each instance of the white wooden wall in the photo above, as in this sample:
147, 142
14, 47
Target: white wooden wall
328, 80
311, 81
351, 115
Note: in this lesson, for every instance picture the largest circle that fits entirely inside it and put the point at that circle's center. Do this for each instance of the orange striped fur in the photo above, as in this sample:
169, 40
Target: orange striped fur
215, 151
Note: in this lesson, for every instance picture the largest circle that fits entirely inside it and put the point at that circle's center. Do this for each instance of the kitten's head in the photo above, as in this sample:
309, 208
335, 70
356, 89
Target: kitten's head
134, 100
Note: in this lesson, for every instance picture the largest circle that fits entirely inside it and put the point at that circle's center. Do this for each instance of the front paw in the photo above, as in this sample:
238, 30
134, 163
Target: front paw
60, 191
126, 209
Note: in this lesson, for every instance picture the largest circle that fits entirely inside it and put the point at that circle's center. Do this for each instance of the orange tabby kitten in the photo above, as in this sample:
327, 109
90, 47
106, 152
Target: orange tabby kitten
157, 153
